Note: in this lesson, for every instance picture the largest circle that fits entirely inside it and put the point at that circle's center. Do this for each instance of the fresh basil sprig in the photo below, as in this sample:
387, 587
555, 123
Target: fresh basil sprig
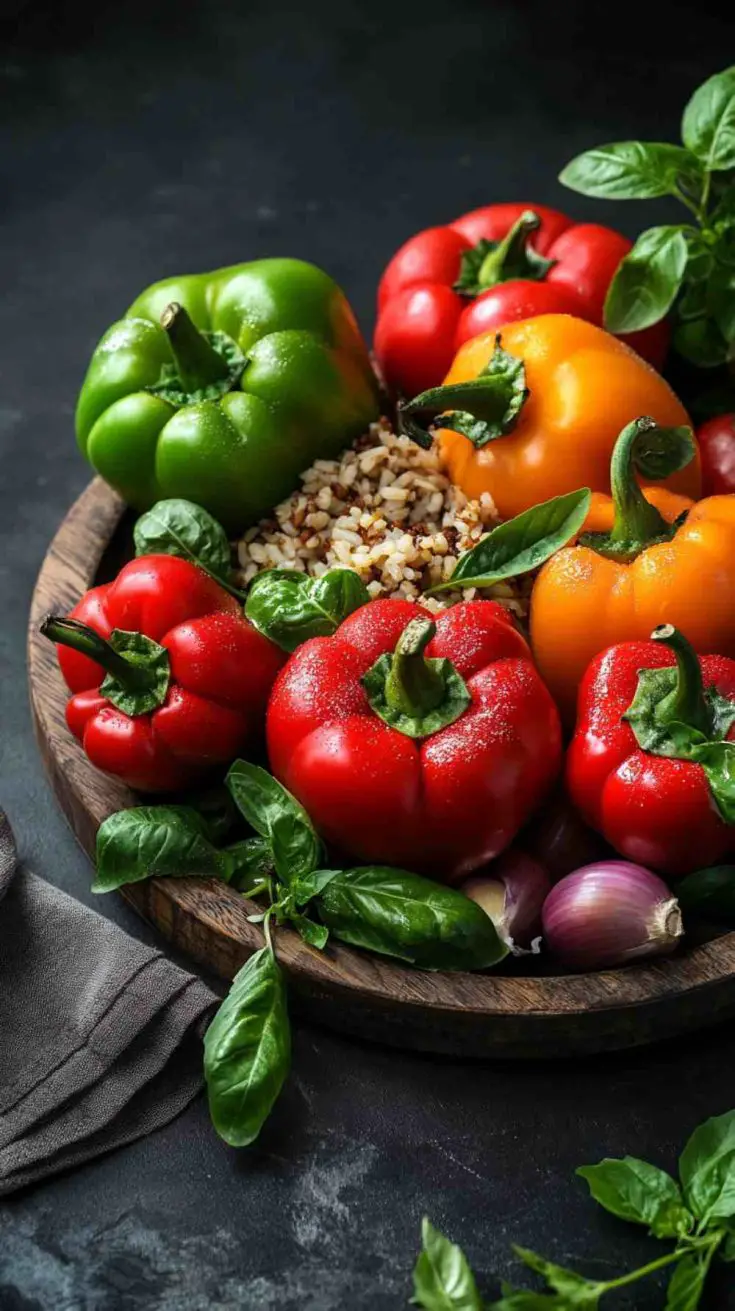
277, 816
395, 913
289, 607
179, 527
696, 1213
247, 1050
156, 842
521, 544
689, 266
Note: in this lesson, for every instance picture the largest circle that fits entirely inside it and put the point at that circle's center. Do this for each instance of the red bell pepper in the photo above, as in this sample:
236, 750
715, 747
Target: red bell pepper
716, 440
652, 759
414, 743
489, 268
169, 678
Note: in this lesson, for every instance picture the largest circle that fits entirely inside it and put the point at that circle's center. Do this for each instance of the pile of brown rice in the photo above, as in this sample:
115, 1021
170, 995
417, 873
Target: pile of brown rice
386, 510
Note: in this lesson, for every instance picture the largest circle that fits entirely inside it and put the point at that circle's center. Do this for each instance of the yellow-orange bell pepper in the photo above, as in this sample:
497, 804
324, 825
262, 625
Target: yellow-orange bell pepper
635, 571
582, 386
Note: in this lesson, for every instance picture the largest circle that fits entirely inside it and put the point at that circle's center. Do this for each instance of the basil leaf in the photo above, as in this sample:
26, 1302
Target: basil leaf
708, 125
686, 1285
521, 544
659, 452
727, 1251
721, 300
310, 885
217, 810
522, 1299
709, 892
253, 859
701, 342
154, 842
575, 1289
178, 527
396, 913
629, 170
289, 607
707, 1169
442, 1278
315, 935
647, 280
640, 1193
247, 1051
276, 815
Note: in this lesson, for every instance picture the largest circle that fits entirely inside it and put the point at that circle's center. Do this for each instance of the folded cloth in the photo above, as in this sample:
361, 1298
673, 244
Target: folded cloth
100, 1037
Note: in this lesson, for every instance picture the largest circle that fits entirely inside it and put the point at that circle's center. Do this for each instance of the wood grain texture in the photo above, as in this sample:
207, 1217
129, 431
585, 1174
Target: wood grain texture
467, 1014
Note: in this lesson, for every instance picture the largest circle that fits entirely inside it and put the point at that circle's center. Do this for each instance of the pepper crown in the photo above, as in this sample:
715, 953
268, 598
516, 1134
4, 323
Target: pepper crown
414, 694
138, 670
673, 714
491, 262
483, 408
205, 364
656, 453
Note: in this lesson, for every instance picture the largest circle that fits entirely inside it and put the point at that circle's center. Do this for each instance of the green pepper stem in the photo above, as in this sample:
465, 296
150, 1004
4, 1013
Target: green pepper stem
636, 520
413, 686
198, 364
686, 704
498, 264
80, 637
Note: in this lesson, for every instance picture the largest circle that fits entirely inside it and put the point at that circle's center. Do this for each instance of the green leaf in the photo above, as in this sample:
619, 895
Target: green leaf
276, 815
442, 1278
178, 527
640, 1193
573, 1288
247, 1051
253, 859
707, 1169
521, 544
156, 842
289, 607
709, 893
629, 170
310, 885
216, 808
701, 343
395, 913
522, 1299
647, 280
483, 409
727, 1251
151, 660
686, 1285
708, 125
315, 935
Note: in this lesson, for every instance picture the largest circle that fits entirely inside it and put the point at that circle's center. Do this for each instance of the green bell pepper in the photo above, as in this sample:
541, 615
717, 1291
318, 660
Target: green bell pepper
223, 387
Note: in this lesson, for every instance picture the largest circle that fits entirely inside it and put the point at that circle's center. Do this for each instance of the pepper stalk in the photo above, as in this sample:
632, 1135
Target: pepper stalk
137, 669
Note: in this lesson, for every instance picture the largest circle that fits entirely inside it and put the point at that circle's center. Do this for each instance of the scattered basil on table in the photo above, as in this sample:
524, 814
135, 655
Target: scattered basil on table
289, 607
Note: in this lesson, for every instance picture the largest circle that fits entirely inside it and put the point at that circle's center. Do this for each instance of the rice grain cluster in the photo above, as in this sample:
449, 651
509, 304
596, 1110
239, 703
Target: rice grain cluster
386, 510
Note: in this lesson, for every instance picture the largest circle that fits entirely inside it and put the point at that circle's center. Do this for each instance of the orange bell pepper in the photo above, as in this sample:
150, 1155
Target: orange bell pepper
653, 559
540, 416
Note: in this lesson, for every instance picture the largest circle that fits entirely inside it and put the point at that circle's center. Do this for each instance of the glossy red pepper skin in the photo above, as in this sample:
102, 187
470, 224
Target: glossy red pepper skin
442, 805
222, 671
716, 440
422, 321
654, 810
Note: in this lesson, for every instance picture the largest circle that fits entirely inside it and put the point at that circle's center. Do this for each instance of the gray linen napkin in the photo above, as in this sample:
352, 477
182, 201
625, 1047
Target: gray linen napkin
100, 1037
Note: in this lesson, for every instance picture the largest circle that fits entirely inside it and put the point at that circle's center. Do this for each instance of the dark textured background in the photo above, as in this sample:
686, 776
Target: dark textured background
140, 140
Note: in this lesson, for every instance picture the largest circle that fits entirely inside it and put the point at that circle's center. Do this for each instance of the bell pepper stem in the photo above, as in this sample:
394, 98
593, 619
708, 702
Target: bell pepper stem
686, 704
197, 362
413, 686
80, 637
509, 251
636, 520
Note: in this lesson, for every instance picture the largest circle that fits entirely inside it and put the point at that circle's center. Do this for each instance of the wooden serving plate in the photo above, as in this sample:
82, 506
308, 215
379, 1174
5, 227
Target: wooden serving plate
466, 1014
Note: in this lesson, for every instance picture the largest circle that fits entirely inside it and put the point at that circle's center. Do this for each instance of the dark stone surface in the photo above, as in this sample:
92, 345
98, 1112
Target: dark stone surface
139, 140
